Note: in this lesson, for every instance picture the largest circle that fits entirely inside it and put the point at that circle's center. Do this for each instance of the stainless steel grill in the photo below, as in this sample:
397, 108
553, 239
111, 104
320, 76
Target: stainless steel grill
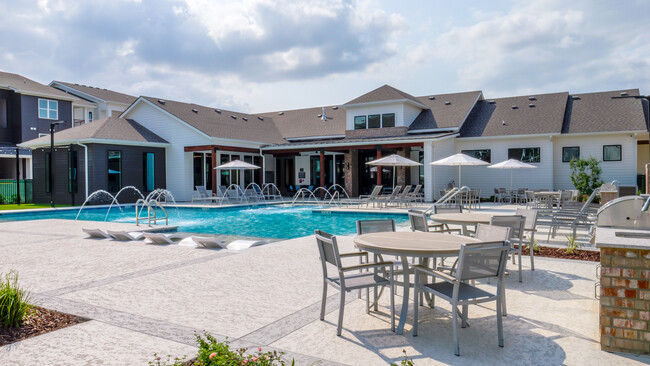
625, 212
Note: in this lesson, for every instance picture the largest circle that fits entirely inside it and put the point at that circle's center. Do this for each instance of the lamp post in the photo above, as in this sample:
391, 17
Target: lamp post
52, 126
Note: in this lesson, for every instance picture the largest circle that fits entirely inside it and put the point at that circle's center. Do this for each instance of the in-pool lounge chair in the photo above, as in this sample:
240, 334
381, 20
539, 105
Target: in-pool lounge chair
124, 236
96, 233
161, 238
214, 242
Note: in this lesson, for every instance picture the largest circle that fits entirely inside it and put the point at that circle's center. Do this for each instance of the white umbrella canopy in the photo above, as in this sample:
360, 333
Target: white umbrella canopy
394, 161
236, 165
512, 164
459, 160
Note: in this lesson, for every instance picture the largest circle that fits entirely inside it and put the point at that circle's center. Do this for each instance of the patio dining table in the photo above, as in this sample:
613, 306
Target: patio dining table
411, 244
548, 197
463, 219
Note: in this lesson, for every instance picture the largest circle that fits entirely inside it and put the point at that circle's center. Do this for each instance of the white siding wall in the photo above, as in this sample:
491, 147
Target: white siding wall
643, 158
441, 174
302, 161
178, 162
488, 179
624, 171
269, 166
410, 113
397, 108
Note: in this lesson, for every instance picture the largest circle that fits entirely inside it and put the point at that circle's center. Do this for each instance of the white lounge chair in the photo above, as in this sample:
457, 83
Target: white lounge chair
124, 236
161, 238
244, 244
203, 195
214, 242
96, 233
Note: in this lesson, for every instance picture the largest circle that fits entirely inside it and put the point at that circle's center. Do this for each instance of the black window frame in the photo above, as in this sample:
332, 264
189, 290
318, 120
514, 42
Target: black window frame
108, 154
145, 171
383, 116
620, 152
539, 154
564, 160
473, 154
365, 123
376, 117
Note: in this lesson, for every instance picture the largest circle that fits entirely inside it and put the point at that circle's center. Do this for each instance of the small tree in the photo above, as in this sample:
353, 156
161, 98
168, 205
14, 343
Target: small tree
585, 175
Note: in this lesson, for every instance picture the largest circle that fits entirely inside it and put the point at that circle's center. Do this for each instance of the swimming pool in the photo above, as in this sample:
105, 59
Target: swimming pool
273, 221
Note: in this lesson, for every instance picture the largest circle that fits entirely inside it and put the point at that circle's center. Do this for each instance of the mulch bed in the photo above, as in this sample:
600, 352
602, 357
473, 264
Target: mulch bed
40, 321
584, 255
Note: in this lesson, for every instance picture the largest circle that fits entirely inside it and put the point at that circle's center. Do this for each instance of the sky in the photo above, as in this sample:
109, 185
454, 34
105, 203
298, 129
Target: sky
267, 55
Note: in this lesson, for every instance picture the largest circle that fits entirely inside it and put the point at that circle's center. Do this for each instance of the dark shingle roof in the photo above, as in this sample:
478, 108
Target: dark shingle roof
103, 94
223, 124
308, 122
605, 111
445, 110
111, 128
22, 84
383, 94
497, 117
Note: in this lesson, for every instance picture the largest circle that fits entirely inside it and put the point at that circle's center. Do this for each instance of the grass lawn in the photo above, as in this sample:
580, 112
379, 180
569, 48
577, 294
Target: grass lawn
27, 206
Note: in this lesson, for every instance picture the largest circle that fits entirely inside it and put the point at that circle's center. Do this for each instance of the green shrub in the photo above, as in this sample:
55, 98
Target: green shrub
585, 175
405, 360
14, 301
159, 361
573, 246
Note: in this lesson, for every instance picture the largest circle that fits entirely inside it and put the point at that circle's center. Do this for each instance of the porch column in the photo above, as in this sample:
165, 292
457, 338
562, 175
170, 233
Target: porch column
401, 171
322, 168
379, 171
429, 182
214, 171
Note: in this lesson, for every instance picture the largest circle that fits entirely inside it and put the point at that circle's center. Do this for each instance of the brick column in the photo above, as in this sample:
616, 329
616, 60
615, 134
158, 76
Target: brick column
348, 177
378, 168
625, 300
401, 170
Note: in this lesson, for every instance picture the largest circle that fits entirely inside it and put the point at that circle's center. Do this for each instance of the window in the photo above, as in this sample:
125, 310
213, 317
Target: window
374, 121
388, 120
90, 116
570, 153
73, 183
3, 113
149, 176
359, 122
114, 170
485, 154
526, 154
612, 153
248, 173
48, 109
48, 184
198, 169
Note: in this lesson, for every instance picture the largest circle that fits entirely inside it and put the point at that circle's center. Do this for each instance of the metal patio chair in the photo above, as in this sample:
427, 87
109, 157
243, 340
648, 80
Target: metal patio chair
345, 282
476, 261
530, 228
372, 197
516, 224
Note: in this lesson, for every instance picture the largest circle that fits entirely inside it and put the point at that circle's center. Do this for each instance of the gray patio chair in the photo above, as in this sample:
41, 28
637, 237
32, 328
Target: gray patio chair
403, 197
386, 200
203, 195
530, 199
372, 197
416, 195
376, 226
419, 222
344, 282
443, 210
530, 228
516, 224
476, 261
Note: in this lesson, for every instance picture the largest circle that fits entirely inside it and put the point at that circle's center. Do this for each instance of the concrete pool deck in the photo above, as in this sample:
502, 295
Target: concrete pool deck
144, 299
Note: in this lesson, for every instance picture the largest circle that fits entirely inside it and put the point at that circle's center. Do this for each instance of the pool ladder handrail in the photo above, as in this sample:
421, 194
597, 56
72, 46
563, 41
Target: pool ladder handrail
448, 196
150, 209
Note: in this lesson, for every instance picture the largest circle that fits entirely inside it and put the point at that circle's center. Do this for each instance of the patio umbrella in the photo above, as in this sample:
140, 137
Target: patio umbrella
512, 164
236, 165
394, 161
459, 160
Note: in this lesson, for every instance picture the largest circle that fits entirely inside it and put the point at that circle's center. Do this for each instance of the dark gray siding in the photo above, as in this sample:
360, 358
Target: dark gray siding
29, 113
11, 134
132, 172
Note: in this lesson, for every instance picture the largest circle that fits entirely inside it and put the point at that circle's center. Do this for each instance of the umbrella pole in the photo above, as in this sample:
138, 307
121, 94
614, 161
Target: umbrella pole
460, 178
511, 179
393, 177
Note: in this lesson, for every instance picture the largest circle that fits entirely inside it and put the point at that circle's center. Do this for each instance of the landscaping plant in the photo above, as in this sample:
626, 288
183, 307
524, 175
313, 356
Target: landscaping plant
585, 175
406, 360
14, 301
573, 247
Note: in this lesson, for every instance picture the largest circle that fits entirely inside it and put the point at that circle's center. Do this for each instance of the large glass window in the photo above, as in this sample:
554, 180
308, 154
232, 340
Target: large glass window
482, 154
3, 113
525, 154
208, 170
149, 171
48, 109
225, 173
197, 169
570, 153
114, 170
73, 183
359, 122
248, 173
388, 120
374, 121
612, 153
257, 172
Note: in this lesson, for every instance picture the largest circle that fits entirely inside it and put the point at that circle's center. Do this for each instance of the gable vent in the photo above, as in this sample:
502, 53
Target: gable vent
260, 118
514, 107
447, 103
280, 113
218, 110
244, 118
532, 98
432, 97
233, 117
531, 105
195, 110
161, 101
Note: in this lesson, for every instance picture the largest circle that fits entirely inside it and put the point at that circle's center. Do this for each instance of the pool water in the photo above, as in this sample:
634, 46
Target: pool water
273, 221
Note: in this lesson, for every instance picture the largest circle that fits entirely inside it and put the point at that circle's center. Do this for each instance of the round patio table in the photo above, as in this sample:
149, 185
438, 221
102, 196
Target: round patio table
463, 219
548, 197
406, 244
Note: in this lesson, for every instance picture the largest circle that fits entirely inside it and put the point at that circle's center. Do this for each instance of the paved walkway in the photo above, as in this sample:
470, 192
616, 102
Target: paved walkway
144, 299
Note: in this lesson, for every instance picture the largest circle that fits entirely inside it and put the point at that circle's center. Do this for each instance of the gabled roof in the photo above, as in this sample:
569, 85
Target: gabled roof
221, 123
616, 110
104, 95
111, 128
309, 122
522, 115
445, 110
384, 93
23, 85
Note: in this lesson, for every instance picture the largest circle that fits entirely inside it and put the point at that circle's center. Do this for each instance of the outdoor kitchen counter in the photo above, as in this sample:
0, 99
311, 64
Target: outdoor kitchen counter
606, 238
